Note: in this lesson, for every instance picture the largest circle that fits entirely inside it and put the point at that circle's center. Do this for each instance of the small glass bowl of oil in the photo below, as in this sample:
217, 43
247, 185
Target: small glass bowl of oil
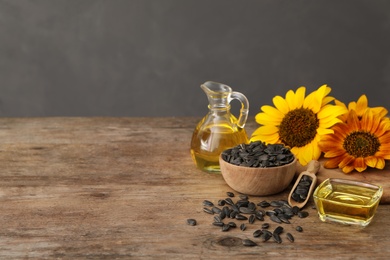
347, 201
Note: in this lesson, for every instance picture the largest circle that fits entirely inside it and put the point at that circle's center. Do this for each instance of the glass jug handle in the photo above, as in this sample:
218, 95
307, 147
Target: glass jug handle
244, 108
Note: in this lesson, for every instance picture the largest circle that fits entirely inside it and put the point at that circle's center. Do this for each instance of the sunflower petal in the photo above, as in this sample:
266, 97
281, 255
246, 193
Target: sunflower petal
367, 120
306, 154
266, 119
281, 104
329, 123
316, 152
361, 105
380, 164
371, 161
332, 163
320, 94
331, 111
348, 168
271, 111
300, 97
339, 103
290, 99
314, 101
334, 153
346, 160
323, 131
352, 106
327, 100
353, 121
381, 111
385, 139
360, 164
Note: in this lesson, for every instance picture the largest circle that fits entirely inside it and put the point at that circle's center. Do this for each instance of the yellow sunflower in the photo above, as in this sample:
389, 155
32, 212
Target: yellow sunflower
358, 142
298, 121
360, 107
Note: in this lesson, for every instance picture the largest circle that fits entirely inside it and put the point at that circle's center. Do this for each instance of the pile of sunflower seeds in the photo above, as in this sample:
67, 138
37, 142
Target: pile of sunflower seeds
226, 212
258, 154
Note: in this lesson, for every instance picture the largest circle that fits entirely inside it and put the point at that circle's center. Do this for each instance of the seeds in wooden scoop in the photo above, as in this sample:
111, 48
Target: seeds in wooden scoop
302, 189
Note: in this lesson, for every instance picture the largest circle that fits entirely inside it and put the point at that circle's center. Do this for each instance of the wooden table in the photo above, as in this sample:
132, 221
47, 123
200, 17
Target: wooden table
120, 188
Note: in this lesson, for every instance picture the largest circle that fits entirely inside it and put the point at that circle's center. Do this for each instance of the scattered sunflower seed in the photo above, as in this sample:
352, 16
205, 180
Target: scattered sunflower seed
299, 229
208, 203
242, 226
265, 226
248, 242
230, 194
257, 233
290, 237
191, 222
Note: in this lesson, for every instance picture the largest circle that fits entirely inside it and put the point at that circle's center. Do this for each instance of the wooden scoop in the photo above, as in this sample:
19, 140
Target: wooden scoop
311, 171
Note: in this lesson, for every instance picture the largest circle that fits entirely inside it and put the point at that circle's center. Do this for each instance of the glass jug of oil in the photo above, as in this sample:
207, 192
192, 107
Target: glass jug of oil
219, 129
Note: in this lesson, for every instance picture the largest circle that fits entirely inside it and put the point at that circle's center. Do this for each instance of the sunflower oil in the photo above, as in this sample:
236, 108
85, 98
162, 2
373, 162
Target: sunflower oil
347, 202
208, 144
219, 129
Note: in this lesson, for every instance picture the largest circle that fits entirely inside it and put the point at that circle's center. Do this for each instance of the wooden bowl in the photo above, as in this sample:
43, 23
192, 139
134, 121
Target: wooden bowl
258, 181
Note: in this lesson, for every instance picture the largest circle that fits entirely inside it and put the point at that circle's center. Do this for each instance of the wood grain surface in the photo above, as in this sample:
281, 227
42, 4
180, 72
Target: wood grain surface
123, 188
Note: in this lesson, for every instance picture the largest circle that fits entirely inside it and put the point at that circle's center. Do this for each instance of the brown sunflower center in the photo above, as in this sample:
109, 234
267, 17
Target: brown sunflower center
361, 144
298, 127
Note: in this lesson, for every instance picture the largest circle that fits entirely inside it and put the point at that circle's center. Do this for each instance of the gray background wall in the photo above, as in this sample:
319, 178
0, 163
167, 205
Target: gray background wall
149, 57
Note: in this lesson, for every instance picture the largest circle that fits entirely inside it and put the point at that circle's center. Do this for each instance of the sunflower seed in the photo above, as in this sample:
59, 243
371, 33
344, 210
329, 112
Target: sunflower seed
233, 214
222, 214
295, 210
276, 203
229, 201
232, 224
225, 227
208, 203
251, 219
230, 194
290, 237
246, 210
265, 236
209, 211
242, 203
241, 217
277, 238
221, 203
216, 210
265, 226
235, 208
248, 242
243, 227
299, 229
278, 230
257, 233
303, 214
218, 224
274, 218
243, 197
191, 222
263, 204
